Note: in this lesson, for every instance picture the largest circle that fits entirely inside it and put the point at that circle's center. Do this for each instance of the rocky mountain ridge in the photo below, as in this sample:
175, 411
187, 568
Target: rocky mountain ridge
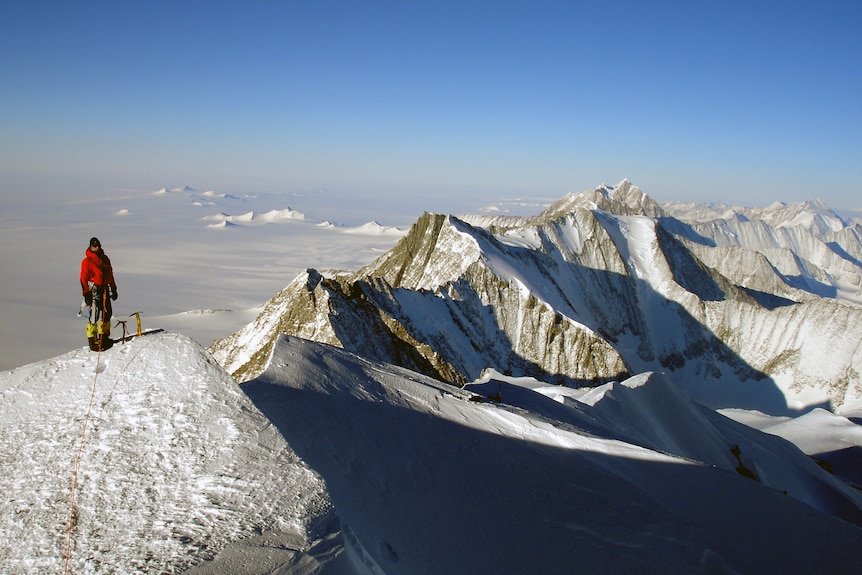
599, 286
797, 261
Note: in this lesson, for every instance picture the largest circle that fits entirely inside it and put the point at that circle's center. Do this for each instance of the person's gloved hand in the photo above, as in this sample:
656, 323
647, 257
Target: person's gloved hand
114, 294
88, 298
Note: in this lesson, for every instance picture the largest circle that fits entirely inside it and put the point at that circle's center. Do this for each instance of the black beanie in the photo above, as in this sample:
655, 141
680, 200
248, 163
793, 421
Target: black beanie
95, 242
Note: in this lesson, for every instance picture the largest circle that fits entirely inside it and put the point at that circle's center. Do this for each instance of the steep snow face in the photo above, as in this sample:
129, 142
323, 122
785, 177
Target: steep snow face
815, 215
176, 465
449, 300
623, 199
573, 297
635, 238
429, 478
810, 247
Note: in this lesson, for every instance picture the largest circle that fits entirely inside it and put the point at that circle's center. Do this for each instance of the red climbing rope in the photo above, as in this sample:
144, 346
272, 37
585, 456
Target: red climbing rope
67, 556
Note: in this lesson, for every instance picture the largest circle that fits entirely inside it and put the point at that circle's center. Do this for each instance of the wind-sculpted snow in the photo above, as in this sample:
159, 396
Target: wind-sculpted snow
330, 463
446, 302
177, 466
622, 199
428, 478
578, 295
649, 410
814, 216
809, 246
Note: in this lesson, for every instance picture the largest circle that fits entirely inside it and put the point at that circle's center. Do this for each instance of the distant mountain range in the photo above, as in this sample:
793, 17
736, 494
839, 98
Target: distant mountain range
588, 344
748, 308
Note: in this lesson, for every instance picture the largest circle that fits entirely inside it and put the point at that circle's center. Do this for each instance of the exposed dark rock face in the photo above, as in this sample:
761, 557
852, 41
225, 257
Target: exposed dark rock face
599, 286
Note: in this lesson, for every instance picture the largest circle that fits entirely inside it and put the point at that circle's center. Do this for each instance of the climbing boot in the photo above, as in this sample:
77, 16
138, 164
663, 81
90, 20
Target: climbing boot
105, 342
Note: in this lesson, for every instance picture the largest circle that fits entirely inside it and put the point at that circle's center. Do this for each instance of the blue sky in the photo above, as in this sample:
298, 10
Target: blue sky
445, 103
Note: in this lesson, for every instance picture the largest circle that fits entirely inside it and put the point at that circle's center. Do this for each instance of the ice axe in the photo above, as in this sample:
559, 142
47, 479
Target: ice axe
122, 322
137, 316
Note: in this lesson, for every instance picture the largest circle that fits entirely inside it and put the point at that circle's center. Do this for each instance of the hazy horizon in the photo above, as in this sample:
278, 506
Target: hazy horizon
441, 105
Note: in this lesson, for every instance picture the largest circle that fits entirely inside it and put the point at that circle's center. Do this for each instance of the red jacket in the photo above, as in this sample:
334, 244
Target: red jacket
96, 268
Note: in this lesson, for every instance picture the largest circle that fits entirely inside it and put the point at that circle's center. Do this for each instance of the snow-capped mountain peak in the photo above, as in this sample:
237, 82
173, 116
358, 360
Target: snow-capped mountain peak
555, 386
814, 216
580, 294
332, 463
176, 465
622, 199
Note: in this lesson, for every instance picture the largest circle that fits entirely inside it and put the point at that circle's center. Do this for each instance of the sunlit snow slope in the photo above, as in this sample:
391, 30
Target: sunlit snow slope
176, 465
594, 289
331, 464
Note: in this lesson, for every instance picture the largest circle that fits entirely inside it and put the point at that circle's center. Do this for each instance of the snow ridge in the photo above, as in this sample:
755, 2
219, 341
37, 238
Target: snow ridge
185, 472
176, 466
581, 295
810, 248
536, 486
587, 345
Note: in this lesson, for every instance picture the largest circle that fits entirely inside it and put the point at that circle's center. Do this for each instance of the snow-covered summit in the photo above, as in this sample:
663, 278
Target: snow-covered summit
256, 218
177, 190
330, 463
621, 199
177, 465
374, 229
579, 296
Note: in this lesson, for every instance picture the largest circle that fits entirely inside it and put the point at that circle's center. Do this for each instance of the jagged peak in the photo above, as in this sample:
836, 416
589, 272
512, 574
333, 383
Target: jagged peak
633, 197
819, 203
624, 199
814, 215
553, 273
433, 250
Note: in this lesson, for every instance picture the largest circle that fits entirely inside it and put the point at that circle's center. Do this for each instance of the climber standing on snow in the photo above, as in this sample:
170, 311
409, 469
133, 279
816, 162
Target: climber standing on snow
99, 288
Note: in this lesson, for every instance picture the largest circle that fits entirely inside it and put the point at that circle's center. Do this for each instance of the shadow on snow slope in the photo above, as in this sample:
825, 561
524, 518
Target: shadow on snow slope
465, 336
545, 314
424, 493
